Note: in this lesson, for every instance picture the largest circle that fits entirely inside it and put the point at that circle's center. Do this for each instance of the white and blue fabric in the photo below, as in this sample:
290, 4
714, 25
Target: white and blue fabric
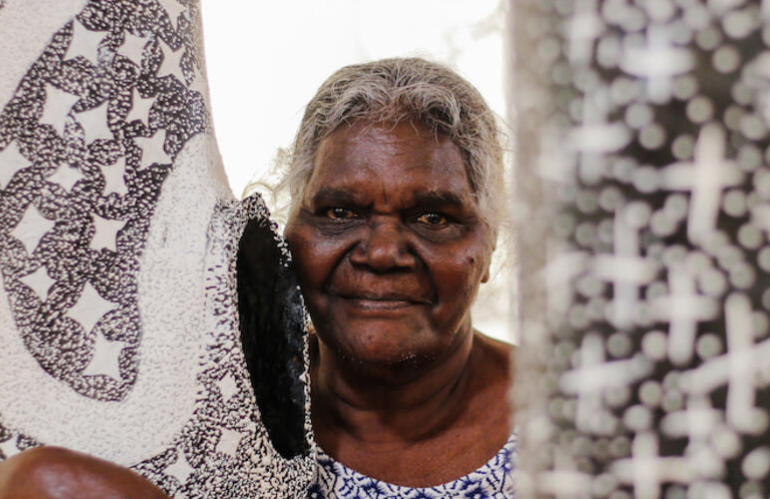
494, 480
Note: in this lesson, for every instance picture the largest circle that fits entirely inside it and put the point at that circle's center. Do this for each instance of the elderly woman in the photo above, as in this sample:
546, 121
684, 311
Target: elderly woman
396, 179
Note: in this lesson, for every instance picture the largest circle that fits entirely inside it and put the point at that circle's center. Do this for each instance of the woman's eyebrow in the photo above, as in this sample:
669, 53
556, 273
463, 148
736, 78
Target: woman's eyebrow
326, 195
438, 198
426, 199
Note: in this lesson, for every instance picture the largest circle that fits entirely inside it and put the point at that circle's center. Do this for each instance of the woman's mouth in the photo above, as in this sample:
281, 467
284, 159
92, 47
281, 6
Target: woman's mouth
380, 303
383, 301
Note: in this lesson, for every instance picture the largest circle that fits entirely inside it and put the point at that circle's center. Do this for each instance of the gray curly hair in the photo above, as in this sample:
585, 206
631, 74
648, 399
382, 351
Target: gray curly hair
396, 90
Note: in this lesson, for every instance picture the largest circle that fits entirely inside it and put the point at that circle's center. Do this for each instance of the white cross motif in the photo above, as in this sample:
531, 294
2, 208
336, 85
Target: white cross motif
658, 63
585, 26
32, 228
11, 161
564, 482
57, 107
741, 413
94, 123
594, 377
647, 471
85, 43
106, 358
707, 177
66, 176
595, 134
737, 368
684, 308
153, 151
39, 282
626, 269
698, 423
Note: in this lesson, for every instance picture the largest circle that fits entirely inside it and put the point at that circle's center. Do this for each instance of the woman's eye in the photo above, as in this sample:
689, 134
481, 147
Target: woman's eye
432, 219
340, 213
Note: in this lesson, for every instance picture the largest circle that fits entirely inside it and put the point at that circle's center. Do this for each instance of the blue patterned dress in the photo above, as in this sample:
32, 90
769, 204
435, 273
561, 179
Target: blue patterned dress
494, 480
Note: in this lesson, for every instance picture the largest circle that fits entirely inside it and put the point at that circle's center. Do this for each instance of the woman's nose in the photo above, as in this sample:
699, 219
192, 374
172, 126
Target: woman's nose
384, 248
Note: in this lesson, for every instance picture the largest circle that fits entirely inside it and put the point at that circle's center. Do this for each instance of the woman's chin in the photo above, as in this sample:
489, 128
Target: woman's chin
385, 356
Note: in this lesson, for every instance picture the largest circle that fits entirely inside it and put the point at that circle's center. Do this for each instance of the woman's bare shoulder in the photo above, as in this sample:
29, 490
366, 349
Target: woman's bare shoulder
495, 356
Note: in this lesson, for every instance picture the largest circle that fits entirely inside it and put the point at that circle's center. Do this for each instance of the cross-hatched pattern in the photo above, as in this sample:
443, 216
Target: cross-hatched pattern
657, 383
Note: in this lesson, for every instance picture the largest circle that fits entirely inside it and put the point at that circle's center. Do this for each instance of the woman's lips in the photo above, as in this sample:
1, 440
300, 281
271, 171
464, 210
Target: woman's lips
379, 304
369, 301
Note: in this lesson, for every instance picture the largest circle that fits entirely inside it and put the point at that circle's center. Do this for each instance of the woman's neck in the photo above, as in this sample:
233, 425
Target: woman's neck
415, 428
395, 405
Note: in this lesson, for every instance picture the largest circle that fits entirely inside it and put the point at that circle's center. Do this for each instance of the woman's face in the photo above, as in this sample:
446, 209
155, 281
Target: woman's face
389, 245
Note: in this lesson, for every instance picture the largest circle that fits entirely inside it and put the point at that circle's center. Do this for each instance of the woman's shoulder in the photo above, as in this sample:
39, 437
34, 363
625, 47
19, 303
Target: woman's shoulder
494, 358
499, 346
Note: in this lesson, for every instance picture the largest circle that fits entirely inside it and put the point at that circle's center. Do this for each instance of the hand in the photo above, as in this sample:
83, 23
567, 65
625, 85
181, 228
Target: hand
56, 473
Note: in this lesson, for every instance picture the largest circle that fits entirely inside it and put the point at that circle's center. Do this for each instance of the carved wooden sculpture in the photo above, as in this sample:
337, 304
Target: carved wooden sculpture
136, 324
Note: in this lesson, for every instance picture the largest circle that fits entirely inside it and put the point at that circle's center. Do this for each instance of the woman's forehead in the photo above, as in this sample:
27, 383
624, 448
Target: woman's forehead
405, 152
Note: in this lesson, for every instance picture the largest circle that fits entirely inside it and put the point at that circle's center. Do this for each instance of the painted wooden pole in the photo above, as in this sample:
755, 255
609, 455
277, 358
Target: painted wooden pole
122, 334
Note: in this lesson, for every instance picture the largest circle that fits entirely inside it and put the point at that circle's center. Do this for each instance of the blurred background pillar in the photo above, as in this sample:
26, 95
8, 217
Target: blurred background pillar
643, 194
